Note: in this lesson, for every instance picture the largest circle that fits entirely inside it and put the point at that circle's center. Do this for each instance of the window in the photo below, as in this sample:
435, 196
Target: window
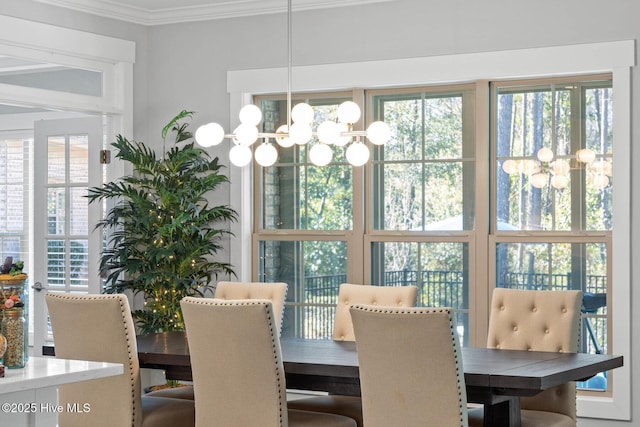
554, 170
14, 198
15, 187
478, 234
423, 185
315, 206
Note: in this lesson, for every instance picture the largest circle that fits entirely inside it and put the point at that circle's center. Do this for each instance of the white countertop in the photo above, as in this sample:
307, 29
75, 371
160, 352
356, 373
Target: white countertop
48, 371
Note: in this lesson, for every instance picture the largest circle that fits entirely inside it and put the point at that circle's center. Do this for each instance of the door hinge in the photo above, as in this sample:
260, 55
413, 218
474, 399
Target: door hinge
105, 157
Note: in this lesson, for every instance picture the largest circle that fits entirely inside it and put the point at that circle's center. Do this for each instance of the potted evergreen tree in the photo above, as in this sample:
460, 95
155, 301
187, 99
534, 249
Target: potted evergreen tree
163, 234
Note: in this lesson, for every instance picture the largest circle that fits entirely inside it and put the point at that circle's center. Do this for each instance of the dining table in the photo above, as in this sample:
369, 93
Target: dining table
494, 378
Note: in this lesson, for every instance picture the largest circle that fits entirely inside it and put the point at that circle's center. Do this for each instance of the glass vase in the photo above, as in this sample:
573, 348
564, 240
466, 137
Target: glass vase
14, 305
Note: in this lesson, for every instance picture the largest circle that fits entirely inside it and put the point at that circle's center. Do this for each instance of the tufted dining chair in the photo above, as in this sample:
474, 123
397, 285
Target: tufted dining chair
275, 292
538, 321
410, 367
100, 328
237, 367
349, 294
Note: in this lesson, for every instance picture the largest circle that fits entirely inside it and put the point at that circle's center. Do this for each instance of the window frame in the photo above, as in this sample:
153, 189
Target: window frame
614, 57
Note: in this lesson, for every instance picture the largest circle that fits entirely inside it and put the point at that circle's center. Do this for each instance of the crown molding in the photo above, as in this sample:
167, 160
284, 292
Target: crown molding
119, 10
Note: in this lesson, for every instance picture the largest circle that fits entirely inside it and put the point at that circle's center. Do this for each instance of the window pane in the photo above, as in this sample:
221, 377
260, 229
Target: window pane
56, 211
40, 75
419, 176
313, 271
297, 194
79, 211
439, 270
56, 262
554, 165
79, 158
56, 159
79, 264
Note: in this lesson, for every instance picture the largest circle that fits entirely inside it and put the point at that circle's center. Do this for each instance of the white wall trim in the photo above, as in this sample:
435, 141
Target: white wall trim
619, 406
616, 57
559, 60
52, 39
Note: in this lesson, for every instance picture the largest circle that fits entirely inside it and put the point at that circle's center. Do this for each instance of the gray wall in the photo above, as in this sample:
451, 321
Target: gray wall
183, 66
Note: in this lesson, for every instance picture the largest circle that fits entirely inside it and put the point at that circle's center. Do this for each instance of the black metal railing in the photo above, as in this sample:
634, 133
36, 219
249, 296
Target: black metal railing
437, 288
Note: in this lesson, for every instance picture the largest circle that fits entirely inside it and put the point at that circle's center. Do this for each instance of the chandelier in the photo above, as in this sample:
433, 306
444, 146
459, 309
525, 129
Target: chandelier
297, 131
548, 168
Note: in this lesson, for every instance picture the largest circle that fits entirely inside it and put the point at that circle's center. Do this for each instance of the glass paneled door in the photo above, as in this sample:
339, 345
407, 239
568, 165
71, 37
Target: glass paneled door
66, 247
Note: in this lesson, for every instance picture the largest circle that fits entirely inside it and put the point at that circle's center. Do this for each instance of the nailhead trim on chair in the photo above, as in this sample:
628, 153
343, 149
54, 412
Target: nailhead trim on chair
249, 296
453, 338
207, 301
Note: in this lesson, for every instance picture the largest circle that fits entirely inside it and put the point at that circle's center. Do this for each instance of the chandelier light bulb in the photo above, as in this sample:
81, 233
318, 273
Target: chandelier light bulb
300, 133
266, 154
283, 139
341, 140
240, 155
559, 181
302, 113
545, 155
250, 115
328, 132
510, 166
209, 135
246, 134
585, 155
320, 154
378, 133
357, 154
348, 112
538, 180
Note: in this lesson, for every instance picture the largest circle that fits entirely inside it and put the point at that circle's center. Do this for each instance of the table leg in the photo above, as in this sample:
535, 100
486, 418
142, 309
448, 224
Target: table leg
503, 414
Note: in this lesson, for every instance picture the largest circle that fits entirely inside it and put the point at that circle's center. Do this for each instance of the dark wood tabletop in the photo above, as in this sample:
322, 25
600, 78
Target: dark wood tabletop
495, 378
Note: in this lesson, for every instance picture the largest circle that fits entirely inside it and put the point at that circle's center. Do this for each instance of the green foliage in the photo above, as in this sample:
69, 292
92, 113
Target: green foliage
163, 233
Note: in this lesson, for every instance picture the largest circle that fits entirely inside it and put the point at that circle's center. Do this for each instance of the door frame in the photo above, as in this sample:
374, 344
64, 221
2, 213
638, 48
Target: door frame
46, 43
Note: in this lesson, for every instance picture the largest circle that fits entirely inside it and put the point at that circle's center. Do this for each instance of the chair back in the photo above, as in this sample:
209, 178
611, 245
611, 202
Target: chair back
97, 328
350, 294
238, 376
410, 367
275, 292
538, 321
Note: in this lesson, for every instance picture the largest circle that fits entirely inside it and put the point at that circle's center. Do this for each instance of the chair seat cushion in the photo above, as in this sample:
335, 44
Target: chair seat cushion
349, 406
162, 411
529, 418
184, 392
545, 419
313, 419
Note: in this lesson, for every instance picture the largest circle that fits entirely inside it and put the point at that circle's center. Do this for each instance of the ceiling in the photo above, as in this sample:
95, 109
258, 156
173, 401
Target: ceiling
157, 12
